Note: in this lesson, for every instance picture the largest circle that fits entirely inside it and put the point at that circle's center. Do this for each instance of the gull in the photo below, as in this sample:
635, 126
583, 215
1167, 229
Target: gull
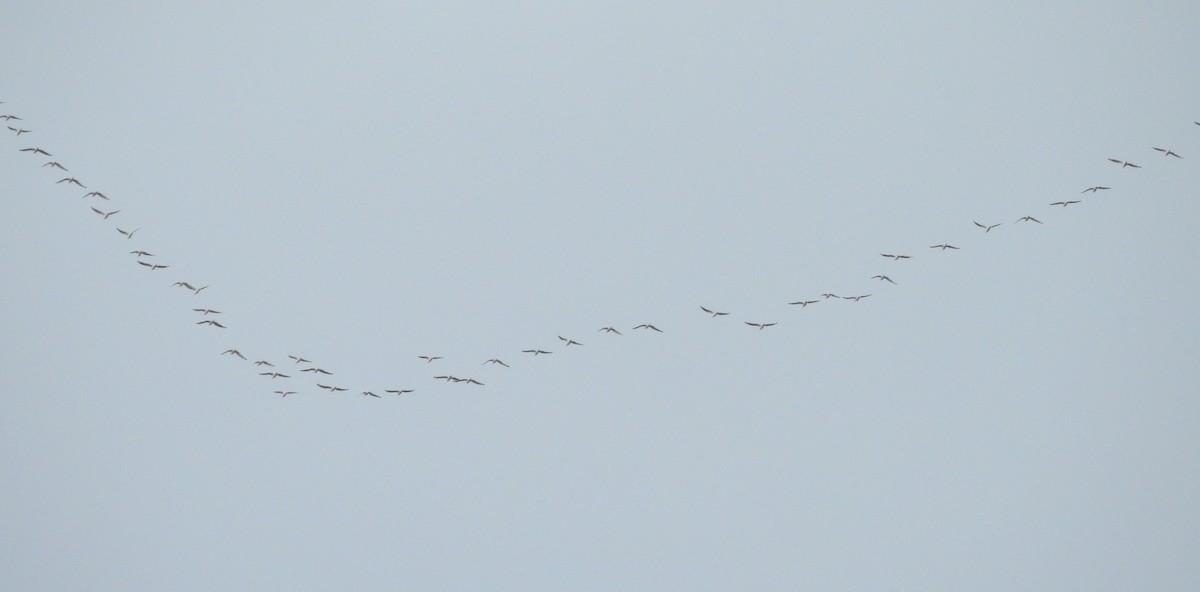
141, 253
713, 312
371, 394
274, 374
10, 117
883, 278
37, 151
988, 228
128, 234
1124, 163
610, 330
761, 326
804, 303
70, 180
429, 359
647, 326
896, 257
153, 266
55, 165
569, 342
1094, 188
497, 361
317, 370
473, 381
1027, 219
183, 284
1165, 151
210, 322
94, 193
197, 290
855, 298
334, 389
233, 352
1065, 203
206, 311
105, 214
285, 393
536, 352
19, 130
298, 359
447, 378
944, 246
398, 392
264, 363
829, 295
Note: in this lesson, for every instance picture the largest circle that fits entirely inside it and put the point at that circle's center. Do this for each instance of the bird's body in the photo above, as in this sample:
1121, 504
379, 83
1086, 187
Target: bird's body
1095, 188
371, 394
233, 352
94, 194
648, 326
18, 130
1066, 203
804, 303
153, 266
264, 363
536, 352
1124, 163
274, 374
398, 391
713, 313
285, 393
206, 311
55, 165
105, 215
496, 361
883, 278
610, 330
1027, 219
568, 342
988, 227
895, 257
1165, 151
141, 253
299, 359
761, 326
37, 151
855, 298
210, 322
128, 233
429, 359
315, 370
944, 246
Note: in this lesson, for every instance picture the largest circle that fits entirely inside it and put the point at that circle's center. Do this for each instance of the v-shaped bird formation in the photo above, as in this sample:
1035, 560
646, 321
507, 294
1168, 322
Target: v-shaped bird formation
308, 367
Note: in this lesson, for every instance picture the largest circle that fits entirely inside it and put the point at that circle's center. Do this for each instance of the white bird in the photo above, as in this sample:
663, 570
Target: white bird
713, 313
429, 359
804, 303
1165, 151
610, 330
1095, 188
569, 342
1027, 219
648, 326
988, 228
233, 352
128, 234
883, 278
1124, 163
944, 246
1066, 203
497, 361
105, 214
93, 194
761, 326
71, 180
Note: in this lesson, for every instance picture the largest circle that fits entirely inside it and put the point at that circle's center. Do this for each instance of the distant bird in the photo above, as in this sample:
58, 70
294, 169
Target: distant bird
206, 311
1095, 188
233, 352
829, 295
274, 374
371, 394
19, 130
398, 392
285, 393
141, 253
10, 117
804, 303
647, 326
93, 194
1027, 219
153, 266
1165, 151
128, 234
429, 359
988, 228
197, 290
71, 180
55, 165
883, 278
536, 352
1124, 163
335, 389
944, 246
264, 363
896, 257
473, 381
569, 342
105, 214
210, 322
855, 298
713, 313
447, 378
497, 361
610, 330
761, 326
37, 151
1066, 203
299, 359
182, 285
317, 371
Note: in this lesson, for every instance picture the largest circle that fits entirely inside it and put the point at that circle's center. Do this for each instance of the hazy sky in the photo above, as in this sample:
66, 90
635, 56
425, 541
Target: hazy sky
361, 184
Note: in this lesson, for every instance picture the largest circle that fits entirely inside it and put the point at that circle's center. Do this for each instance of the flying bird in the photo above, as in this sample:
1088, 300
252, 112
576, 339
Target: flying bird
182, 285
371, 394
206, 311
569, 342
10, 117
93, 194
1027, 219
37, 151
398, 391
153, 266
233, 352
197, 290
761, 326
334, 389
883, 278
896, 257
988, 228
285, 393
497, 361
105, 214
317, 370
55, 165
274, 374
264, 363
855, 298
210, 322
829, 295
298, 359
1066, 203
429, 359
713, 313
128, 234
19, 130
1095, 188
536, 352
1124, 163
804, 303
472, 381
71, 180
141, 253
610, 330
1165, 151
647, 326
944, 246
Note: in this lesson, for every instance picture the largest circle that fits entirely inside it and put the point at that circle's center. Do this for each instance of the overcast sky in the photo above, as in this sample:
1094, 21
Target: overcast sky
361, 184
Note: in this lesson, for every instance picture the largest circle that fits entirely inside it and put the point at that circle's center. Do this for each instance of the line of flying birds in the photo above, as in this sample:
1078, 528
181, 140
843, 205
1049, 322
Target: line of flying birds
268, 369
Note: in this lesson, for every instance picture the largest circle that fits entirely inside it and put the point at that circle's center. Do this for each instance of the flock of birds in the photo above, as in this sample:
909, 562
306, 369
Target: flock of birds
301, 364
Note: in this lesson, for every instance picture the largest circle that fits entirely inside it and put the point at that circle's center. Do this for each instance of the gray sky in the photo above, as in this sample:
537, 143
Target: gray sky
363, 184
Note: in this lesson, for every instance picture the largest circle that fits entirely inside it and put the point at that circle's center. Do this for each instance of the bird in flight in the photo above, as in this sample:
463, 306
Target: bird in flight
1124, 163
1165, 151
285, 393
141, 253
210, 322
183, 285
264, 363
274, 374
38, 151
803, 303
19, 130
1066, 203
105, 214
94, 194
10, 117
398, 391
855, 298
896, 257
197, 290
55, 165
371, 394
761, 326
298, 359
472, 381
610, 330
1027, 219
647, 326
713, 313
206, 311
1095, 188
128, 234
317, 370
153, 266
72, 180
448, 378
233, 352
334, 389
497, 361
944, 246
988, 228
569, 342
429, 359
536, 352
829, 295
883, 278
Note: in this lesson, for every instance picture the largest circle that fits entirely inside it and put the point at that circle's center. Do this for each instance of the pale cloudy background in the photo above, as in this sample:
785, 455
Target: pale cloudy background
364, 183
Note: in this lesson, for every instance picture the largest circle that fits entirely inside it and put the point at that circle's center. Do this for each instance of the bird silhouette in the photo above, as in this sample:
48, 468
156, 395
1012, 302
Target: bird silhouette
55, 165
988, 228
94, 194
129, 234
647, 326
1027, 219
37, 151
713, 313
70, 180
804, 303
105, 214
1066, 203
536, 352
1165, 151
210, 322
497, 361
761, 326
944, 246
1124, 163
895, 257
1095, 188
233, 352
883, 278
429, 359
569, 342
610, 330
